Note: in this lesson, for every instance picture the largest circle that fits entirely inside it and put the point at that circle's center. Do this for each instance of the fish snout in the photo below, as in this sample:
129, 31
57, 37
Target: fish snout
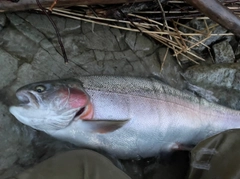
26, 98
22, 97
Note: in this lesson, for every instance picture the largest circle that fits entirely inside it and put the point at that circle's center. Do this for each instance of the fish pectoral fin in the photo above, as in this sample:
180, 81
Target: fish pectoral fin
104, 126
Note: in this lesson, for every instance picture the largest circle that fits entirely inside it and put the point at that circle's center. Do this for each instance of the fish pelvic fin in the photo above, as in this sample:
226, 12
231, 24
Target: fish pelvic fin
104, 126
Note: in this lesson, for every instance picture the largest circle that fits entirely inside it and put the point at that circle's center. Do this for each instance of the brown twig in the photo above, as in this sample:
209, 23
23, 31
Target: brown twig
218, 13
56, 30
163, 14
164, 59
53, 4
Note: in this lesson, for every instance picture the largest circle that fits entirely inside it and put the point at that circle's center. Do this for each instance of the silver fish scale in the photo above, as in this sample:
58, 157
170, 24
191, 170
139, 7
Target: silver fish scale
146, 87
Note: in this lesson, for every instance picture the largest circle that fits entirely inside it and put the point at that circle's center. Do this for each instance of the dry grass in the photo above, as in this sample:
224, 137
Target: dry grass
181, 43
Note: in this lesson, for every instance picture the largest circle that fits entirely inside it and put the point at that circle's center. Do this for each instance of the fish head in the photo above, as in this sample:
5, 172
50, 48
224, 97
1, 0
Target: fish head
51, 105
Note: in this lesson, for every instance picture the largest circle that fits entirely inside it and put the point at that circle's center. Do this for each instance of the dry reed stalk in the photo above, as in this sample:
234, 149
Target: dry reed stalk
179, 42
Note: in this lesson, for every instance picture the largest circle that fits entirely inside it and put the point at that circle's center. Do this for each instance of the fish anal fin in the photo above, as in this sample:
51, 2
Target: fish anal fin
104, 126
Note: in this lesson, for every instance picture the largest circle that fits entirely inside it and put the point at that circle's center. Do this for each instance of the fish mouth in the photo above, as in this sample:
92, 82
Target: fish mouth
26, 98
85, 113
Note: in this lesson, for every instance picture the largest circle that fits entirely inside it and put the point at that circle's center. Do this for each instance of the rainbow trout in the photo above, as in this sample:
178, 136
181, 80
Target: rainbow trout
125, 116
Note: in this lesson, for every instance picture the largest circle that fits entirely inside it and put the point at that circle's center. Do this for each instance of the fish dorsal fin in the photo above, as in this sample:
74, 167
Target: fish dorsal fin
104, 126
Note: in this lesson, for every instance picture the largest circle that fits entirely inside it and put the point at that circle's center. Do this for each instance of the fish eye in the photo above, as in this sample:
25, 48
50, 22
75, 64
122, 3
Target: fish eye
40, 88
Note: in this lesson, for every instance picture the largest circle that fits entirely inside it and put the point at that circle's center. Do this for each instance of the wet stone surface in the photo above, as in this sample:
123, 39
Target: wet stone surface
223, 52
15, 142
217, 82
29, 52
200, 26
2, 21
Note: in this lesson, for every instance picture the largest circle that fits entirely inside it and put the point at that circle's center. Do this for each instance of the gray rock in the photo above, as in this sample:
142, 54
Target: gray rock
14, 42
91, 49
142, 43
41, 23
191, 59
94, 38
223, 52
25, 28
138, 42
220, 82
14, 19
209, 95
9, 66
200, 26
170, 72
237, 53
120, 38
15, 142
2, 21
30, 52
131, 39
220, 75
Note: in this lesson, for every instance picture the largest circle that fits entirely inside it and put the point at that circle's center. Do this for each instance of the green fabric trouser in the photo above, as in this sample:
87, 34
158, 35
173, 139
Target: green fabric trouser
76, 164
217, 157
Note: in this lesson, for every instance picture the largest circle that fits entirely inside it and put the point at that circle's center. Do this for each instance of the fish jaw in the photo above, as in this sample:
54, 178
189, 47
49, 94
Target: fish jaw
43, 120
